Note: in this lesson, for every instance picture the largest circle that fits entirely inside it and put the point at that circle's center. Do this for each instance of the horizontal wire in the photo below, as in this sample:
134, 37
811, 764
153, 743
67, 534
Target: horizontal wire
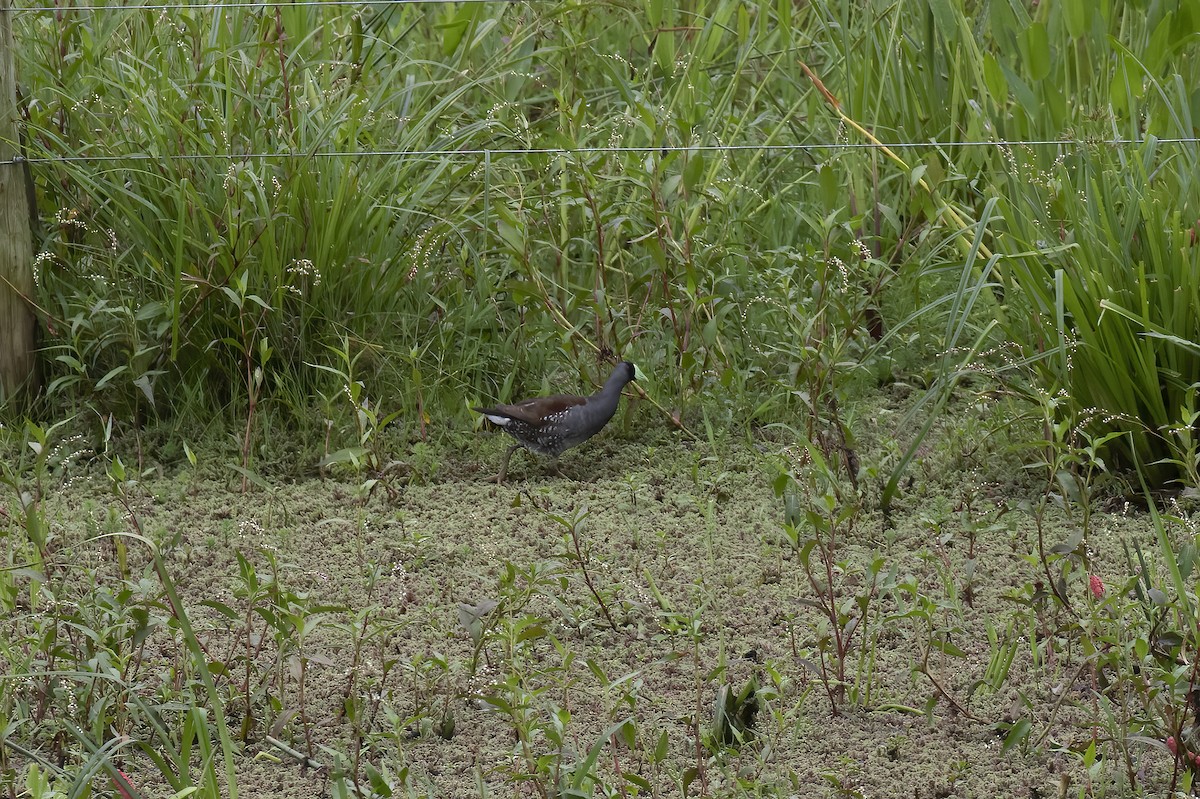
250, 4
593, 150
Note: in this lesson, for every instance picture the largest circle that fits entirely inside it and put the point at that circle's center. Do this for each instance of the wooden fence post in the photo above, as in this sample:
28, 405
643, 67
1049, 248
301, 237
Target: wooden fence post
18, 325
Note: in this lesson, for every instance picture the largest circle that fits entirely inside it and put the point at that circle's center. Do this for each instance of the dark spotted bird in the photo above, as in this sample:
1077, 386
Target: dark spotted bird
552, 425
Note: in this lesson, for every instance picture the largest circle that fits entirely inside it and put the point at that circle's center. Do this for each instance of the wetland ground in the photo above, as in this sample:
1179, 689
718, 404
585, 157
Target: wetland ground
643, 625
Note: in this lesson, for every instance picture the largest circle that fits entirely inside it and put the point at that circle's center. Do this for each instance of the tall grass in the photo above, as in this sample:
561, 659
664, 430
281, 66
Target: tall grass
1108, 268
1100, 239
245, 189
171, 270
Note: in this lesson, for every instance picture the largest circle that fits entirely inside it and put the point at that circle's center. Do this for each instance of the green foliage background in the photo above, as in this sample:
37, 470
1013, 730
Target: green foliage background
462, 199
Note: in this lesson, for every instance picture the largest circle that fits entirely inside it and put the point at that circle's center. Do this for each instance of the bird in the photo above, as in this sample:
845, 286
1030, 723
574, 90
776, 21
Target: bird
552, 425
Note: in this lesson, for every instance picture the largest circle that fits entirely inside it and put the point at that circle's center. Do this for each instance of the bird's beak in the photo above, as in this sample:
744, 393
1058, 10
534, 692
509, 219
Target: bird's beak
638, 374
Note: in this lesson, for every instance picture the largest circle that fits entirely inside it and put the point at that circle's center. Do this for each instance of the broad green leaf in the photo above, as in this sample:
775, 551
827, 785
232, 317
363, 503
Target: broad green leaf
993, 78
945, 18
1038, 47
1076, 15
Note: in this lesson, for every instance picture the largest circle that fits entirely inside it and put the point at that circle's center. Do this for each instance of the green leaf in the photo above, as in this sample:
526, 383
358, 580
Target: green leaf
351, 455
945, 18
1076, 16
948, 647
662, 748
994, 80
1017, 734
584, 771
146, 386
1037, 43
693, 170
664, 51
104, 381
253, 477
832, 195
1022, 94
1159, 48
454, 30
533, 632
689, 776
379, 785
654, 13
640, 782
222, 608
513, 237
1055, 102
715, 31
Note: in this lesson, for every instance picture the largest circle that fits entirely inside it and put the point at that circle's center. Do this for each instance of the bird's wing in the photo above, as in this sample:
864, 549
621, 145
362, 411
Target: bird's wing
534, 411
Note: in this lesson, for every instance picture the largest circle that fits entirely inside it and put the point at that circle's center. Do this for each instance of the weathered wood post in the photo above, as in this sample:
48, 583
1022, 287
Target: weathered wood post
17, 322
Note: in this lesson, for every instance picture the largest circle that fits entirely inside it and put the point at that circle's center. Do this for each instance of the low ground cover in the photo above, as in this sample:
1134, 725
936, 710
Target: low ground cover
669, 617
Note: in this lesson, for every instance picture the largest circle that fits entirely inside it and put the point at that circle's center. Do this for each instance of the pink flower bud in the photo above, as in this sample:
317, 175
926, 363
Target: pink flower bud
120, 784
1097, 586
1171, 745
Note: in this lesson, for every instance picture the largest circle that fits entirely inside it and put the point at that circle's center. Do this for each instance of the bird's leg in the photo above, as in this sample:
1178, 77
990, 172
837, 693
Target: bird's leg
504, 463
557, 467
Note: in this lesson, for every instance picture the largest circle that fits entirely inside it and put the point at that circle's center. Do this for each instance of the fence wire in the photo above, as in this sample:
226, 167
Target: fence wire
487, 152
